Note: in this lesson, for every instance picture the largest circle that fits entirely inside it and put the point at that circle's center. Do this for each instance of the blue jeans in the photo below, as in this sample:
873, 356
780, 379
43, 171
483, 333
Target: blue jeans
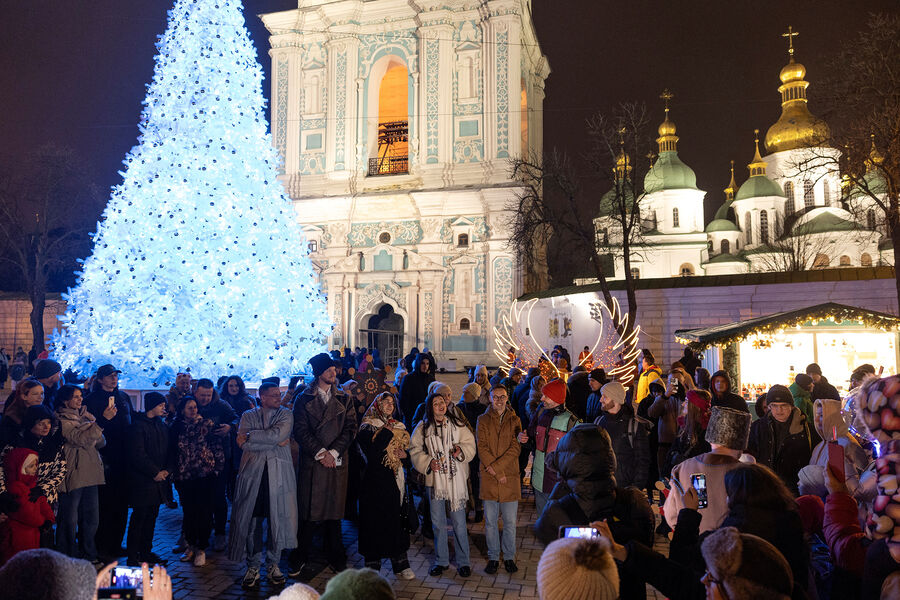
507, 510
540, 501
460, 534
78, 519
255, 545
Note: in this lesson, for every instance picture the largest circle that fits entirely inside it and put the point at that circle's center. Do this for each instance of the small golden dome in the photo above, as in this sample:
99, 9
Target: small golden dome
876, 158
667, 127
793, 71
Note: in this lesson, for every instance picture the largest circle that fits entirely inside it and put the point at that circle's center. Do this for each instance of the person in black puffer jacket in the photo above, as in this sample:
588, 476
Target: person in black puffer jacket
781, 440
587, 491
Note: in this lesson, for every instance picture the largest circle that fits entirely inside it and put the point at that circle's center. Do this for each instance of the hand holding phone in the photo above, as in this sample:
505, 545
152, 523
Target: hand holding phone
587, 533
836, 460
698, 482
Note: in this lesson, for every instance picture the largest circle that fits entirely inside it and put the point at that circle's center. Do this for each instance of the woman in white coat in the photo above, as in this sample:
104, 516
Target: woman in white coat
441, 448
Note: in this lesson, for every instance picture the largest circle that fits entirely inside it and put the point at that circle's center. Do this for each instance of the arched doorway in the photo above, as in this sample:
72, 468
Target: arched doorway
384, 330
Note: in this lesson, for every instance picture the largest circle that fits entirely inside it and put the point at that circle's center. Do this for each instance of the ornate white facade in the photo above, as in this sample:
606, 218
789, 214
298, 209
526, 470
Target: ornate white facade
419, 226
790, 214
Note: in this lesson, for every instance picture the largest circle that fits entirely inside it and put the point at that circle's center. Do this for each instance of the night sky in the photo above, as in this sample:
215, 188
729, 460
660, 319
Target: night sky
74, 72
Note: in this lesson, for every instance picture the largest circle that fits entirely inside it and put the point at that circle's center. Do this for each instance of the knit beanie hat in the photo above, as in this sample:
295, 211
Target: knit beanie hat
803, 380
43, 574
152, 400
728, 427
577, 569
598, 375
358, 584
747, 566
298, 591
615, 391
515, 371
46, 368
320, 363
472, 390
437, 387
812, 513
33, 414
556, 391
779, 393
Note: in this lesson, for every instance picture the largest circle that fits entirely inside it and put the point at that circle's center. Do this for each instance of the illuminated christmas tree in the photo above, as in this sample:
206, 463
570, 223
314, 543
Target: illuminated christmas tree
198, 262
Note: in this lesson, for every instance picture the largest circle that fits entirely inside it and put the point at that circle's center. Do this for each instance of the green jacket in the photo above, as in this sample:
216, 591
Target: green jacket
803, 401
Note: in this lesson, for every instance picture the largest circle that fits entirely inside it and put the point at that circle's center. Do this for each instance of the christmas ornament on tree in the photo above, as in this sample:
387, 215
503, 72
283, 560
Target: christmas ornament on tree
199, 263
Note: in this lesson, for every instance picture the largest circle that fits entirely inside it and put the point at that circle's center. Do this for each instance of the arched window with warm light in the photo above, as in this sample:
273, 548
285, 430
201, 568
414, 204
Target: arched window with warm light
726, 247
789, 194
821, 261
865, 260
387, 134
675, 217
464, 325
686, 270
809, 199
462, 240
844, 261
748, 228
635, 273
764, 227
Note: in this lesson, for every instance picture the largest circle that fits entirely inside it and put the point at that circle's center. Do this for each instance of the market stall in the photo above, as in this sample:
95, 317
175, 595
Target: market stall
771, 349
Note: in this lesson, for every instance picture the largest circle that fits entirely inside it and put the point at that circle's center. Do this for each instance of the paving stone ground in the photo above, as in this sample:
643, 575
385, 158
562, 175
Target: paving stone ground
220, 578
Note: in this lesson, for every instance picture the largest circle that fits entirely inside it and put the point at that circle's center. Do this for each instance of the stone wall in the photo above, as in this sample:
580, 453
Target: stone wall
15, 326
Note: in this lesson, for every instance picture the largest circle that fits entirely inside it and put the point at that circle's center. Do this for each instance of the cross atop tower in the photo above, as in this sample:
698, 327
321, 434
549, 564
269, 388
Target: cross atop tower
666, 96
790, 35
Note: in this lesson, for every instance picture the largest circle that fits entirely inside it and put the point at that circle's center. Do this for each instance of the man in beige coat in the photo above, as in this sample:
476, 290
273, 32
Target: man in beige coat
501, 489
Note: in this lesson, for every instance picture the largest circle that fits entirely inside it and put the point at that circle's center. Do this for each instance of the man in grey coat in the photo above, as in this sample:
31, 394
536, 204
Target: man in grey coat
324, 427
266, 488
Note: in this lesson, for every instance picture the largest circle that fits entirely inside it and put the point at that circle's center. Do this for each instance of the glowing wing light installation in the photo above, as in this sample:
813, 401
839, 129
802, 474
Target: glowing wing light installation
614, 348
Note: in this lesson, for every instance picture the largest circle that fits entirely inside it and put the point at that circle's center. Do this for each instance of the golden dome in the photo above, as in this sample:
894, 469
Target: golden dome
876, 158
667, 127
793, 71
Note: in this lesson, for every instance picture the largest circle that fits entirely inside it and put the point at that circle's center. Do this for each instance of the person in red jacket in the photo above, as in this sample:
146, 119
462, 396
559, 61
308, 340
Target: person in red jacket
34, 512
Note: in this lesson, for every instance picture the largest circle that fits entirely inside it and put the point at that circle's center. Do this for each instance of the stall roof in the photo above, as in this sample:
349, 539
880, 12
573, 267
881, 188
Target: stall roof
720, 335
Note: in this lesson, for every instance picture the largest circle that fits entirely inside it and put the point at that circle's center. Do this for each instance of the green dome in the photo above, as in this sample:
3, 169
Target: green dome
721, 225
758, 186
608, 204
669, 173
874, 182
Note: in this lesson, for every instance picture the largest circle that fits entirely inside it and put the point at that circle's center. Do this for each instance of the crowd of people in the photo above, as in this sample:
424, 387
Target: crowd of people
755, 504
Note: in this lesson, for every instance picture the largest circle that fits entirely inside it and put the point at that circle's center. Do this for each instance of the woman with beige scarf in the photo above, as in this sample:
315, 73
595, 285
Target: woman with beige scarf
382, 530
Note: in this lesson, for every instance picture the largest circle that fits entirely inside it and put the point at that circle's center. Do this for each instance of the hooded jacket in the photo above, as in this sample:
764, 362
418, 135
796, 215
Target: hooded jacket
587, 490
728, 398
23, 525
791, 455
414, 389
855, 458
485, 397
83, 438
647, 377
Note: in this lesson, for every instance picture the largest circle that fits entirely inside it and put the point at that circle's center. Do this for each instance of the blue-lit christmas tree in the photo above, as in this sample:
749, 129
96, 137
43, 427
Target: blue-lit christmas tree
199, 262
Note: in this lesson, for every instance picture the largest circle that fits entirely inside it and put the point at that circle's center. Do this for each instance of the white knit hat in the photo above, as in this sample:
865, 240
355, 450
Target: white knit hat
298, 591
577, 569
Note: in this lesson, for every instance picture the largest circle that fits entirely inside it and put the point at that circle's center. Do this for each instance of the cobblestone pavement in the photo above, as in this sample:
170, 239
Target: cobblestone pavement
220, 578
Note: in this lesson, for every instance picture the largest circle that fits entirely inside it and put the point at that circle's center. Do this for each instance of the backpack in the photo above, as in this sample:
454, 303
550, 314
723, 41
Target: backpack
633, 425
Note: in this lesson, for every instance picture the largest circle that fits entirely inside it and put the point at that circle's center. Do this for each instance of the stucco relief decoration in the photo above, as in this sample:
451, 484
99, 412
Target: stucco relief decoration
503, 286
375, 294
281, 113
402, 43
527, 328
340, 107
428, 309
402, 232
338, 319
432, 47
480, 230
502, 39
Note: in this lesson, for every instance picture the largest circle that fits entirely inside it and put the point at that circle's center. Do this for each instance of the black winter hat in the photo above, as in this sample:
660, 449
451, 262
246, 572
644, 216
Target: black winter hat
46, 368
803, 380
779, 393
320, 363
598, 375
152, 400
33, 414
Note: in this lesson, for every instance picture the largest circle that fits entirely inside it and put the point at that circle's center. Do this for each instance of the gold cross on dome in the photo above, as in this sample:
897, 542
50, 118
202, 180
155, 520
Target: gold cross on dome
790, 35
666, 96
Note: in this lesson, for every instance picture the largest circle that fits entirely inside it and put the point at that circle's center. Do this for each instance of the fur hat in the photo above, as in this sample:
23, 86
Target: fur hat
320, 363
577, 569
358, 584
615, 391
556, 391
747, 566
43, 574
298, 591
728, 427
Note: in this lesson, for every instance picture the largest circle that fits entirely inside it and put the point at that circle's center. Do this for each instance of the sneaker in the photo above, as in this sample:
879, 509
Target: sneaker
220, 542
200, 559
275, 575
188, 555
510, 566
406, 574
251, 578
492, 566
